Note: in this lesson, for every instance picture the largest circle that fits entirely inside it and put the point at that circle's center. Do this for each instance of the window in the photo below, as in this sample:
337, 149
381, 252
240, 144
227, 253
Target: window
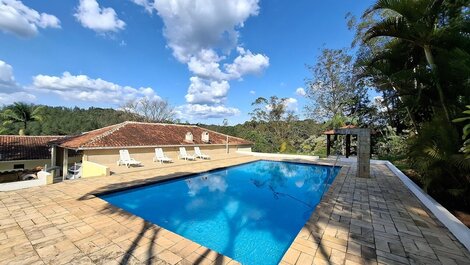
205, 137
189, 137
18, 166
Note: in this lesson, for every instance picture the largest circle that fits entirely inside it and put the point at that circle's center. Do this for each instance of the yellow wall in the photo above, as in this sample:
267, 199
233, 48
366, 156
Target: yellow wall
28, 164
90, 169
112, 155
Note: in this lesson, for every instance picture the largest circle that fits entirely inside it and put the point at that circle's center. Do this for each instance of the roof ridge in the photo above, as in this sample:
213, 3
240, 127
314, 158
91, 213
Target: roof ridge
230, 136
162, 123
106, 133
30, 136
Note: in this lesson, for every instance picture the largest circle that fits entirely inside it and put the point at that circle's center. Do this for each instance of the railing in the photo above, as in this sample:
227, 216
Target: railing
330, 172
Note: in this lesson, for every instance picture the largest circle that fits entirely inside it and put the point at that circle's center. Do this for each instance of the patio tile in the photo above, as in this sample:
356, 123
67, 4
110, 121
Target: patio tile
359, 221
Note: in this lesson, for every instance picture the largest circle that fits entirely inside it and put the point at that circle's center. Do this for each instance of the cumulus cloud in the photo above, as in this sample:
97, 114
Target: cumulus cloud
10, 91
252, 92
246, 63
23, 21
191, 26
7, 79
300, 92
99, 19
202, 91
289, 103
204, 111
84, 88
144, 3
202, 34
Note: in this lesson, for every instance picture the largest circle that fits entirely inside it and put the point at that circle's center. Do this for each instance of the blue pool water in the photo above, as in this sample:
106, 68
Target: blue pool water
251, 212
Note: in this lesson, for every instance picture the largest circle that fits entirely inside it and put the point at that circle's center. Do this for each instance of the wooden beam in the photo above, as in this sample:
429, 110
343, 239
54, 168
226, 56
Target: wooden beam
328, 145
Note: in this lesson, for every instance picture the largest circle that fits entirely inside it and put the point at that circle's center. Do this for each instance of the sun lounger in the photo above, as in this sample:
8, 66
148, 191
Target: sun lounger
184, 155
125, 159
160, 156
199, 154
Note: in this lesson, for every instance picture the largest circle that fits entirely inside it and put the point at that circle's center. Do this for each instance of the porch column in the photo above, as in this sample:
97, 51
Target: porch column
348, 145
53, 155
65, 163
328, 145
50, 179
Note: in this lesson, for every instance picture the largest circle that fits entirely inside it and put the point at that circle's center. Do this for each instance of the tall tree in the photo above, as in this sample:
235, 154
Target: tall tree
416, 22
332, 90
150, 110
21, 113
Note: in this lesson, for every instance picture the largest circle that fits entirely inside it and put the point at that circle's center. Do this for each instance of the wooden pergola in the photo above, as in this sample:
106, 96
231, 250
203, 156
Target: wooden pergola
335, 132
363, 146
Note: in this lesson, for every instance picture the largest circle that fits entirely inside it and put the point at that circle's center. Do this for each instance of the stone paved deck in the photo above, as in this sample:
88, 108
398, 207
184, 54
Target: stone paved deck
374, 221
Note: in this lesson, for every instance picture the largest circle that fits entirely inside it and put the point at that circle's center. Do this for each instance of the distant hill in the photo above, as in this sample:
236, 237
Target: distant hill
69, 121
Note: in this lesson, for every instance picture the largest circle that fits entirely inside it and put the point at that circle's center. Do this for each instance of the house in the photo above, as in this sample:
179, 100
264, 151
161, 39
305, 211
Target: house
100, 148
24, 152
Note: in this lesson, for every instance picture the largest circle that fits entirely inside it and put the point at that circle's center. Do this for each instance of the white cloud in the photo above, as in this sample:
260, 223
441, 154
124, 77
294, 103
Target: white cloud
194, 25
206, 65
252, 92
10, 98
10, 91
201, 34
300, 92
203, 91
7, 80
144, 3
23, 21
247, 63
290, 105
204, 111
84, 88
99, 19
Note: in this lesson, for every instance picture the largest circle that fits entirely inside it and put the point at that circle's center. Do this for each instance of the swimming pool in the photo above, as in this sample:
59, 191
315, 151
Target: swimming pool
250, 212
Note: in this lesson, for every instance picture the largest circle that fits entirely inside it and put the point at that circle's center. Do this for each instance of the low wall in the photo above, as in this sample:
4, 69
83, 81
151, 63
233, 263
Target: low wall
111, 156
17, 185
28, 164
90, 169
279, 155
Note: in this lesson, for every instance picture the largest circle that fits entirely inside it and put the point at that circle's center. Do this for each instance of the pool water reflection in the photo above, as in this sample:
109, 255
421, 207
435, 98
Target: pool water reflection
250, 212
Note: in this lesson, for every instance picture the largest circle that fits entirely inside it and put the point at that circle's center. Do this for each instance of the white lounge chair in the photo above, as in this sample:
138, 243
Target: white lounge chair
160, 156
184, 155
125, 159
199, 154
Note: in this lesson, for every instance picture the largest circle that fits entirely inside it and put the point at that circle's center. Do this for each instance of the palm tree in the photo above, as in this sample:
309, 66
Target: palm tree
414, 21
21, 113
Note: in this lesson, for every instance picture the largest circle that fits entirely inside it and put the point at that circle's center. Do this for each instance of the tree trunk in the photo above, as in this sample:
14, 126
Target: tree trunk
432, 64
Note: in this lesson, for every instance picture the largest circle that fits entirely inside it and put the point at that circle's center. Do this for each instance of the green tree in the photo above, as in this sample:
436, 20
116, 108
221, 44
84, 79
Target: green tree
21, 113
416, 22
333, 91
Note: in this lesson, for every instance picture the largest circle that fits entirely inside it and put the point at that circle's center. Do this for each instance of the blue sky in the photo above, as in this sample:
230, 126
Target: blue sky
209, 58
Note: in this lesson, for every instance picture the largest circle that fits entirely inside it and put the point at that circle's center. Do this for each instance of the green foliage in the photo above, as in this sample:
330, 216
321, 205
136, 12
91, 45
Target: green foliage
63, 121
433, 153
466, 132
391, 144
22, 114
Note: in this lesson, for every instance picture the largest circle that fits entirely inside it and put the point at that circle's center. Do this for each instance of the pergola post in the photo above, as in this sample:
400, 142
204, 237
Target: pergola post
328, 145
348, 145
65, 164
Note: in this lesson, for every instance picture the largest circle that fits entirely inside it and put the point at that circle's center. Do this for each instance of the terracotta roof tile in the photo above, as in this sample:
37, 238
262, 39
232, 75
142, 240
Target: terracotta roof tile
14, 147
133, 134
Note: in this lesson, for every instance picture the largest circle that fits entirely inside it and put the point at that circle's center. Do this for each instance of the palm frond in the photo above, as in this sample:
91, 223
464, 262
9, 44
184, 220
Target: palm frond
396, 27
